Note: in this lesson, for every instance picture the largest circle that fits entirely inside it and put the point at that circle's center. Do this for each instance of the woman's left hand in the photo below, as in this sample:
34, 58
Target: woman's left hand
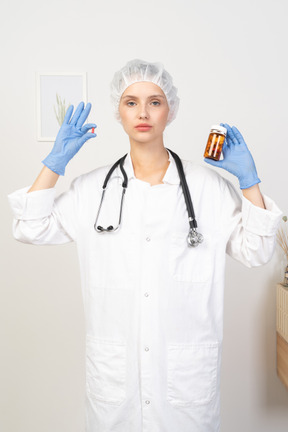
237, 158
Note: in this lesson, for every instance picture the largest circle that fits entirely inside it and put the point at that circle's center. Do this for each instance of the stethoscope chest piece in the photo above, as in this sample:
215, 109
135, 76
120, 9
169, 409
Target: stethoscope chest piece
194, 238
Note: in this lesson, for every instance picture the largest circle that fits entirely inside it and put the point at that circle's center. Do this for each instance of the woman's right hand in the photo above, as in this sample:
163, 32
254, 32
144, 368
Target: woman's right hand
70, 138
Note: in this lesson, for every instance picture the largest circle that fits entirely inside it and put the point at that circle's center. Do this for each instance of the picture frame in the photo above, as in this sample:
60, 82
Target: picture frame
55, 92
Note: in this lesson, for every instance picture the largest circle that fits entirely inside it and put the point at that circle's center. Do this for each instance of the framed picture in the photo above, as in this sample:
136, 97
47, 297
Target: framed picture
55, 92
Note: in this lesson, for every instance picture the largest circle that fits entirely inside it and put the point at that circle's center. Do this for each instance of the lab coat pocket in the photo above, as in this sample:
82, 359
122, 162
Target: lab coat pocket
192, 373
190, 264
106, 370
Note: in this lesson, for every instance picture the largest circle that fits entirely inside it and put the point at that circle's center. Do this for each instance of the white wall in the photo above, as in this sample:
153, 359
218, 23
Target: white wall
229, 62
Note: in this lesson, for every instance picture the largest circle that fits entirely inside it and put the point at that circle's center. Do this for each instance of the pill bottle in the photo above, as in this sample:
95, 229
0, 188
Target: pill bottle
215, 142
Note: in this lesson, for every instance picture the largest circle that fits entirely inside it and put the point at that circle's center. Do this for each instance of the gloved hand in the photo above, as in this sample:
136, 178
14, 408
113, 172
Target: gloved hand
70, 138
237, 158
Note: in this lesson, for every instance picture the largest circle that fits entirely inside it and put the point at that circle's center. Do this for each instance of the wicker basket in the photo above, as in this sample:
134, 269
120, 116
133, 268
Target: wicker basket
282, 311
282, 333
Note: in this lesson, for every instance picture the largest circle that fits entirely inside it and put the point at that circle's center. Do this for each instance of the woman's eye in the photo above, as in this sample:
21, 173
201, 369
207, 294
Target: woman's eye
155, 103
131, 103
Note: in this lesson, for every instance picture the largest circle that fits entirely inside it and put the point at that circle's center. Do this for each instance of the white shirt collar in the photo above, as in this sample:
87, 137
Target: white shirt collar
171, 176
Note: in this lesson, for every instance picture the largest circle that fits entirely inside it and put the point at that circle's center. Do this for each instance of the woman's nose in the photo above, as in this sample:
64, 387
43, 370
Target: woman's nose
143, 112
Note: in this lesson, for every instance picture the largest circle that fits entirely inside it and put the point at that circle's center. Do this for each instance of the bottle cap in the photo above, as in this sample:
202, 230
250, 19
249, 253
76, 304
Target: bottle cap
219, 129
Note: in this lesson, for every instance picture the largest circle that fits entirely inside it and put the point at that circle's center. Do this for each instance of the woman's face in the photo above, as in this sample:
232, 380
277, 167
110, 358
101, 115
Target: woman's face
143, 103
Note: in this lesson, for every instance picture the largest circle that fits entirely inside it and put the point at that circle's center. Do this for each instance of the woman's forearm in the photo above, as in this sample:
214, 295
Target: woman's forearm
254, 195
45, 180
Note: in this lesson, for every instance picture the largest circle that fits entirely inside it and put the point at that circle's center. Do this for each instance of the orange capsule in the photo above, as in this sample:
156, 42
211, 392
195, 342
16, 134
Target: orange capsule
92, 130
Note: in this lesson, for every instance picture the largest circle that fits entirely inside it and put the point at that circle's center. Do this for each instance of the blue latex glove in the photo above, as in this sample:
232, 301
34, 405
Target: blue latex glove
70, 138
237, 158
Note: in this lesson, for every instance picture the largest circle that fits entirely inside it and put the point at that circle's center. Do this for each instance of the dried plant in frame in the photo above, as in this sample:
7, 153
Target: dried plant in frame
54, 90
61, 109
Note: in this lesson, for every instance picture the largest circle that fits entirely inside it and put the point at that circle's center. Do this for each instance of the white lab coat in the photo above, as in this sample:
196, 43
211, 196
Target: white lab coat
153, 305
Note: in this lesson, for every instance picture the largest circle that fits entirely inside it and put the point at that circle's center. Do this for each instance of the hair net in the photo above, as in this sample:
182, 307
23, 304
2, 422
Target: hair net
138, 71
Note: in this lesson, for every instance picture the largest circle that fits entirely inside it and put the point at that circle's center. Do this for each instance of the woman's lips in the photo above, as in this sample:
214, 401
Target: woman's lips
143, 127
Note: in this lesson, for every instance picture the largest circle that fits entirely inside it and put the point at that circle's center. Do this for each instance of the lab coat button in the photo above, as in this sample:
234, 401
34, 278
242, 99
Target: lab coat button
148, 239
147, 402
146, 349
146, 294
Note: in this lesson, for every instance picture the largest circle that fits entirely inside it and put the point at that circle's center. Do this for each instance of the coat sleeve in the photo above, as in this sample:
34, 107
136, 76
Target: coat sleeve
251, 230
39, 218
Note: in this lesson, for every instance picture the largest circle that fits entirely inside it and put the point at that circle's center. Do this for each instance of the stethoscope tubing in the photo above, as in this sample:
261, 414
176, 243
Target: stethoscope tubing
186, 192
193, 239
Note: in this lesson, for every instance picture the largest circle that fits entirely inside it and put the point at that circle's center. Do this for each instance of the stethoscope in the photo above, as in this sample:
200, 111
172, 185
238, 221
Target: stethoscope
194, 238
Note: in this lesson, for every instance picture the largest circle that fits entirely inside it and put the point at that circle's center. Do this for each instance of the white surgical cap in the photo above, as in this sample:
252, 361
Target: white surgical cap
139, 71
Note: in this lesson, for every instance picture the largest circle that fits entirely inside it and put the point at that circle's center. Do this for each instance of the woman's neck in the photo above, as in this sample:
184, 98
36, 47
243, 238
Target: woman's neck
150, 162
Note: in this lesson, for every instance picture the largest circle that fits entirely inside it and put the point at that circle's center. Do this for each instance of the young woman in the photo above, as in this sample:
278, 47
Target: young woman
153, 302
